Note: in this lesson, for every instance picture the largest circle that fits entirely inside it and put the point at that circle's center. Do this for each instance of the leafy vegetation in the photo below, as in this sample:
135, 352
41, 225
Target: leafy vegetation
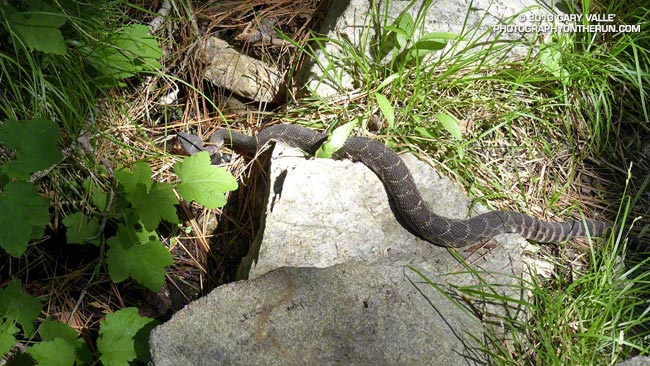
36, 27
135, 251
123, 55
58, 59
122, 335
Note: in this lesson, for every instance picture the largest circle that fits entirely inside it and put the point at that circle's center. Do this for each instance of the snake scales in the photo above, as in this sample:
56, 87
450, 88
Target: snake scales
403, 194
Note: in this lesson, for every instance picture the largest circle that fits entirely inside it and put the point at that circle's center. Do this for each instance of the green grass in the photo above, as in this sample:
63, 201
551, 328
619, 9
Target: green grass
596, 315
574, 100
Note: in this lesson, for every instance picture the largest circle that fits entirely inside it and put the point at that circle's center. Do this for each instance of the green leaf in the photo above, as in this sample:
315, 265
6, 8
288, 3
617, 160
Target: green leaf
388, 81
38, 27
397, 37
422, 48
386, 109
336, 140
203, 182
427, 44
56, 352
144, 260
117, 333
154, 205
36, 143
450, 124
407, 25
141, 174
81, 229
142, 342
7, 332
135, 38
52, 329
551, 58
124, 54
18, 306
23, 214
424, 132
440, 36
152, 201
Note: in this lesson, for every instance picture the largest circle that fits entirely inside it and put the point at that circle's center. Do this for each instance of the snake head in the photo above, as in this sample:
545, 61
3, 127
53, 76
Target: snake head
193, 144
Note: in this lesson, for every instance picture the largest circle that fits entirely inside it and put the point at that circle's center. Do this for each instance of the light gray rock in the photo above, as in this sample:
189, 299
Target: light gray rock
324, 212
350, 314
366, 306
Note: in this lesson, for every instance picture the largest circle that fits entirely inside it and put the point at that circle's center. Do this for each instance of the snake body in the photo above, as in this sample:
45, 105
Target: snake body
405, 198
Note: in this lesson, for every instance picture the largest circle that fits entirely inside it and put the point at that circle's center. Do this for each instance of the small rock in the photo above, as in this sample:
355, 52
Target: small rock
243, 75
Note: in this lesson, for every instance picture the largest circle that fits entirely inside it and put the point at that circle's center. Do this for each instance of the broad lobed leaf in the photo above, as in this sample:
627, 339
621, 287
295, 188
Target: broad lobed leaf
117, 342
36, 145
144, 260
203, 182
25, 213
19, 306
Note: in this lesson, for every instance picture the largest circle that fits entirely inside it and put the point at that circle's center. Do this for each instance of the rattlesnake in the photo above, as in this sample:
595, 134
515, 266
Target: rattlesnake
403, 194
